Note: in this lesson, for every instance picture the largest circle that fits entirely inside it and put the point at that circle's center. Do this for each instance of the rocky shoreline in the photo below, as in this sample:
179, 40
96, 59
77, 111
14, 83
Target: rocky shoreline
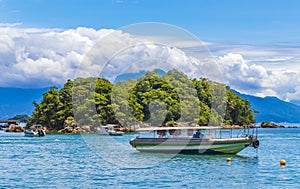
74, 129
15, 128
264, 124
88, 129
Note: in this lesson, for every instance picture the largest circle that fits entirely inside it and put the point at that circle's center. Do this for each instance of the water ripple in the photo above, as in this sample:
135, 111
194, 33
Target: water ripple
66, 161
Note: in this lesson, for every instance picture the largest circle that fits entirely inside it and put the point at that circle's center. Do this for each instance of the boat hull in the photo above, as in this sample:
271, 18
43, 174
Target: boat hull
116, 133
30, 133
191, 146
109, 131
112, 133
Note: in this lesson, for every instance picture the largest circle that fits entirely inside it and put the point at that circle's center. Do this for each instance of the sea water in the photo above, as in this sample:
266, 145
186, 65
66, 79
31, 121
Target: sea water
93, 161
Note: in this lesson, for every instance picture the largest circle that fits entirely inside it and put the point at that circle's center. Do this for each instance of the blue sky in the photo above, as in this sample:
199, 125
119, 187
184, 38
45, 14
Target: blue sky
246, 21
256, 42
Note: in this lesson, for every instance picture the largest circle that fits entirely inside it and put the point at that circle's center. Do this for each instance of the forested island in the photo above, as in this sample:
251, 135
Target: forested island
90, 102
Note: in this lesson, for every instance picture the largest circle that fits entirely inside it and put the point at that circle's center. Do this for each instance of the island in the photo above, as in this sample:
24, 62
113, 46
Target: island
83, 104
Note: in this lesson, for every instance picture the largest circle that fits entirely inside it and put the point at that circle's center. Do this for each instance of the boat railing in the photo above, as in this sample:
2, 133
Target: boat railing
247, 131
205, 132
237, 132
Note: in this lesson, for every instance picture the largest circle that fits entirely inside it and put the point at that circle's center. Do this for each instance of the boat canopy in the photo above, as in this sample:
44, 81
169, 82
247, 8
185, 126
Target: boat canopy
109, 126
149, 129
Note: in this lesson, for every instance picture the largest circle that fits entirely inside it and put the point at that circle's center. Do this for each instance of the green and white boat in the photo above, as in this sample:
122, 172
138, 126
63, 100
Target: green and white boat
194, 140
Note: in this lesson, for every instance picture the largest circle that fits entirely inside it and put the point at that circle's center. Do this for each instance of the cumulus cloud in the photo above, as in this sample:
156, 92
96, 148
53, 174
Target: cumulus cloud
249, 77
39, 57
149, 56
121, 53
48, 56
241, 74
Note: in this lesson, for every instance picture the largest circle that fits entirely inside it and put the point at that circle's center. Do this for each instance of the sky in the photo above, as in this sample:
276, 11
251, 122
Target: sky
256, 43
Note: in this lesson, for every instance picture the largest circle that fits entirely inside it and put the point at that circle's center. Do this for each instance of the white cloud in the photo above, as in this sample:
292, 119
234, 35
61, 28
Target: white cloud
251, 78
240, 74
49, 56
9, 24
276, 59
39, 57
132, 54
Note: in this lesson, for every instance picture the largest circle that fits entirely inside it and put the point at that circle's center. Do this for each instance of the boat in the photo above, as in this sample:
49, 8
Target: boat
35, 131
109, 130
194, 140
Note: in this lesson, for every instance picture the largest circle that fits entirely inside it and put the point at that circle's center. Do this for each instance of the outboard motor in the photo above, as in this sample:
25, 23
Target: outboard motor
41, 132
253, 137
255, 143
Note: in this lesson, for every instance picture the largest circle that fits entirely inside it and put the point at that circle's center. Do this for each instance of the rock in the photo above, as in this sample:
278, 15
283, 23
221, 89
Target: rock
86, 128
270, 125
233, 127
15, 128
69, 129
75, 130
70, 122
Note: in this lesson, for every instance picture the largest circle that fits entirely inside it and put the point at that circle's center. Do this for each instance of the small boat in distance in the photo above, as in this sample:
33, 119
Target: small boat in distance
194, 140
35, 131
109, 130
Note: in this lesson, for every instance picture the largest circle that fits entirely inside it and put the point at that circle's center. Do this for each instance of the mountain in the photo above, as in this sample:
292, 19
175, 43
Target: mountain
16, 101
127, 76
273, 109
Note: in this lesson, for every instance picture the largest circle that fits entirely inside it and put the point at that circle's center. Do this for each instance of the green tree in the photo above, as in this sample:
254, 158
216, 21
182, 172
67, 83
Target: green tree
151, 98
153, 90
238, 110
45, 113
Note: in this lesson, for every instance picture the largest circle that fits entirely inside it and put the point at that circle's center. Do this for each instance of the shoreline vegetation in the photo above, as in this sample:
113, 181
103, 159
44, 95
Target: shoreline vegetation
157, 100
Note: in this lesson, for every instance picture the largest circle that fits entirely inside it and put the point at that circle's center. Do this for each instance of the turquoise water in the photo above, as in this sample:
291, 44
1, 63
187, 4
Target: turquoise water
86, 161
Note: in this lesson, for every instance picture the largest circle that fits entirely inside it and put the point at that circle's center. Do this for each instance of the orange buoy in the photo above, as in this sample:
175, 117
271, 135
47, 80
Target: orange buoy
228, 159
282, 162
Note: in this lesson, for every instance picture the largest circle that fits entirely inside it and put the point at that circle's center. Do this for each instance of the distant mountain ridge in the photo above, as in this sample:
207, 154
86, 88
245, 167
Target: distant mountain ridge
127, 76
273, 109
